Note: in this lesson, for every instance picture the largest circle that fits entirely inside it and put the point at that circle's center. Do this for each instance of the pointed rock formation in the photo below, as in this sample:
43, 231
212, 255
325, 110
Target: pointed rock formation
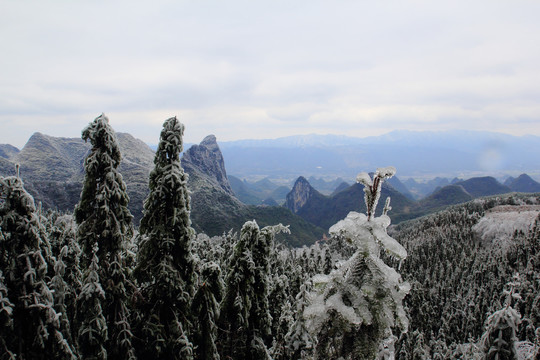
300, 194
207, 159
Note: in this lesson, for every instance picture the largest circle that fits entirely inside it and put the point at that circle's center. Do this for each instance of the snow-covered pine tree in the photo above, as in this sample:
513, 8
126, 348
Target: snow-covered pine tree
245, 319
355, 307
299, 343
499, 340
165, 263
36, 329
104, 218
234, 336
205, 307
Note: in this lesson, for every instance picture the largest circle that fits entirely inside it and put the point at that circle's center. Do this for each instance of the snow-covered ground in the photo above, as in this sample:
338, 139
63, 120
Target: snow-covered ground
499, 224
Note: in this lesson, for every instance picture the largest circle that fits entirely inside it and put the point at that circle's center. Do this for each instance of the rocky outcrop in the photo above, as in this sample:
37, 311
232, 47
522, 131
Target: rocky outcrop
206, 158
300, 194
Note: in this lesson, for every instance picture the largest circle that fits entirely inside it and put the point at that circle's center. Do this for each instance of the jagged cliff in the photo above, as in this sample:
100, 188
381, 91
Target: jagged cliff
206, 158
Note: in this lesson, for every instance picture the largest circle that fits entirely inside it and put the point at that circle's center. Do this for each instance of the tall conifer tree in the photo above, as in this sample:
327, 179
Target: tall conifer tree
25, 296
104, 219
245, 316
165, 264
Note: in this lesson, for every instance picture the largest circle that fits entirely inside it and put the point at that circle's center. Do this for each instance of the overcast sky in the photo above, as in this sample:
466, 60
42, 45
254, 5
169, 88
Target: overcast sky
265, 69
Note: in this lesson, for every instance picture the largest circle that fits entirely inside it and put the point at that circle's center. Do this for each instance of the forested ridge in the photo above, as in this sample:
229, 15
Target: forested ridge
90, 286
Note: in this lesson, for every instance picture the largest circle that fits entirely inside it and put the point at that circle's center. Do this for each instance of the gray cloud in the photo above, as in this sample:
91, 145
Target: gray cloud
267, 69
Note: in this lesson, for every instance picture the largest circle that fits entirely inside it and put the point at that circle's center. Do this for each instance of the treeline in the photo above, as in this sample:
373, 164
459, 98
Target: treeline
90, 286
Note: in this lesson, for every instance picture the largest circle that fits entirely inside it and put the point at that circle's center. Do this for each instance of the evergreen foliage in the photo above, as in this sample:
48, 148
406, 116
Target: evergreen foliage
499, 339
245, 320
242, 296
205, 308
165, 264
27, 301
104, 219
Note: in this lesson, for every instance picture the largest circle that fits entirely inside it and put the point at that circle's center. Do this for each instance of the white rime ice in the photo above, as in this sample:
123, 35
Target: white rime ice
364, 295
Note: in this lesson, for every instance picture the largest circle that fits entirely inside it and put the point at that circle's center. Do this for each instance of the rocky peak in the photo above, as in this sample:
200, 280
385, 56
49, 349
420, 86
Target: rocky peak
299, 195
206, 158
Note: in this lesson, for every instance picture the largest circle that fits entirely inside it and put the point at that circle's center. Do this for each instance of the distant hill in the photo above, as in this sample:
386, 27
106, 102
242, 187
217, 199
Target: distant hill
399, 186
243, 191
523, 183
256, 193
323, 186
423, 189
483, 186
324, 211
340, 188
442, 197
52, 169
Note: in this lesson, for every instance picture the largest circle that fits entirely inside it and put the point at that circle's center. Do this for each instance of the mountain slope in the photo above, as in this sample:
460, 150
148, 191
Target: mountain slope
8, 151
214, 210
52, 169
524, 183
483, 186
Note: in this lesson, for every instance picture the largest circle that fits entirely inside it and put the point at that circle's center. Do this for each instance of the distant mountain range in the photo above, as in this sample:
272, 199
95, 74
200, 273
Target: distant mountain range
52, 170
324, 211
414, 154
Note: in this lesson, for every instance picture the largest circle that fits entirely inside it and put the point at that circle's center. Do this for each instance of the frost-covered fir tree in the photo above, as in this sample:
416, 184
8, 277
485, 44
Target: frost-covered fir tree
245, 319
165, 264
26, 297
205, 308
499, 340
355, 307
298, 341
104, 219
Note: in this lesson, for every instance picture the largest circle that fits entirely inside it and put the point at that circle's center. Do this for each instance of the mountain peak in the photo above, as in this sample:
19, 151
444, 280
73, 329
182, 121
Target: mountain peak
206, 158
209, 141
524, 183
301, 192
